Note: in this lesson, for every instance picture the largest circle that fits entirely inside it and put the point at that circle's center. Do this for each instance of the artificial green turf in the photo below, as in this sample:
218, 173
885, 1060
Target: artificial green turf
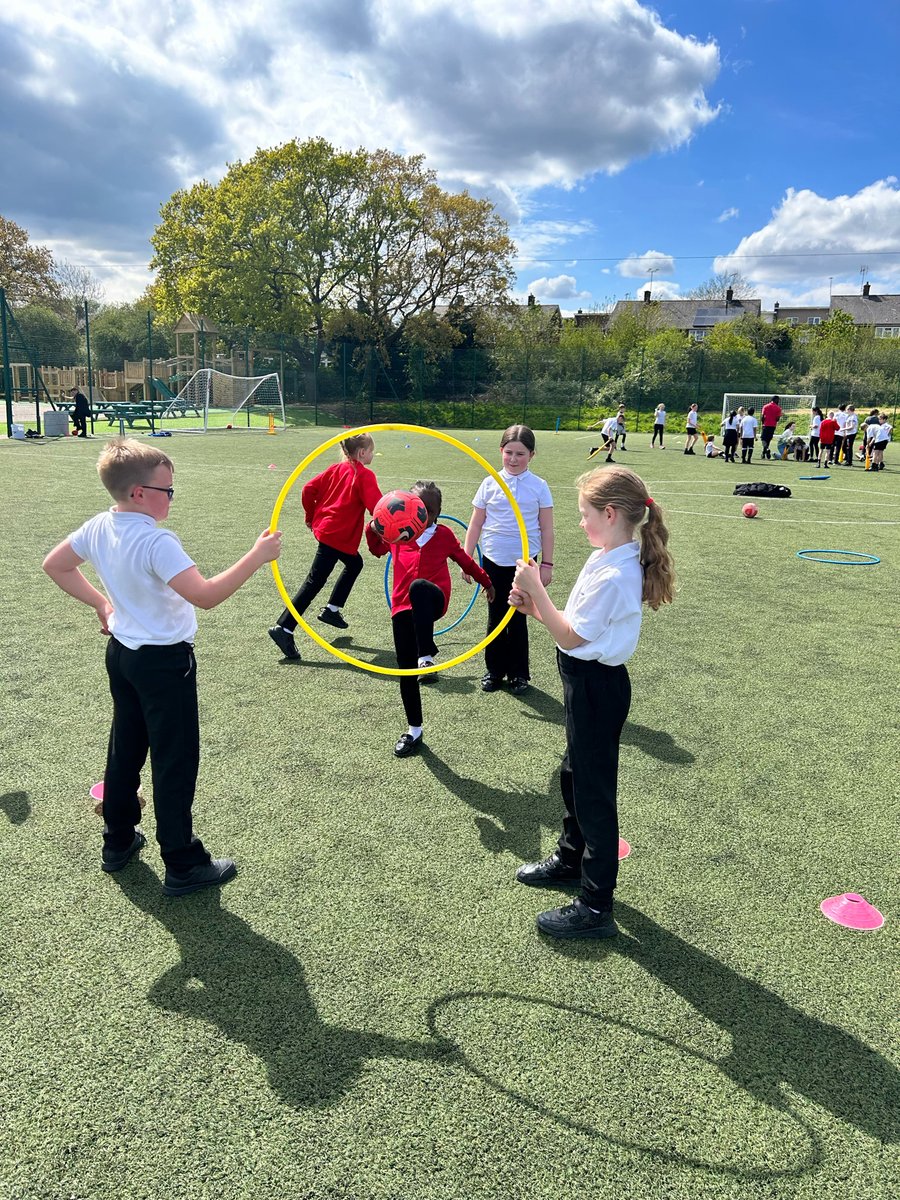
367, 1010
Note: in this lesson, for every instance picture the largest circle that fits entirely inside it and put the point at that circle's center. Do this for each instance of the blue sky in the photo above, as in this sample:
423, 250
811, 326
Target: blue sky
617, 139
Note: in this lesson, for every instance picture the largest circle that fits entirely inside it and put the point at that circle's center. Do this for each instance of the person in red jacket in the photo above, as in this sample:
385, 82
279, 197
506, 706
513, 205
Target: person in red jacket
827, 432
420, 597
771, 415
335, 503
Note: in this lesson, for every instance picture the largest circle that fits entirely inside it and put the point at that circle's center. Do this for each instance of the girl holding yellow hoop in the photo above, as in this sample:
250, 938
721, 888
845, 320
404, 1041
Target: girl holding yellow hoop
596, 634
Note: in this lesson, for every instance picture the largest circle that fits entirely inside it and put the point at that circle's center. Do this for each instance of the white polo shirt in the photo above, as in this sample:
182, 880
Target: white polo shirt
814, 428
659, 417
882, 434
500, 539
749, 426
692, 418
841, 419
610, 426
851, 424
604, 606
135, 560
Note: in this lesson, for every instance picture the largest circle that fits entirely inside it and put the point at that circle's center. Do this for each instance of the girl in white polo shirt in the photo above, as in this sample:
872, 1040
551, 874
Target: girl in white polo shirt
595, 635
494, 523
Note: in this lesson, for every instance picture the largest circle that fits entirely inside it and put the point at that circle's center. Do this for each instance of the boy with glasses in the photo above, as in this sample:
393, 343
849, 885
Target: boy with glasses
151, 587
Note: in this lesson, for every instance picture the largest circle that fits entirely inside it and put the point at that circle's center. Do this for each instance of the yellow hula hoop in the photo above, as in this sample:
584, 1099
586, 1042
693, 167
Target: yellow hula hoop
279, 582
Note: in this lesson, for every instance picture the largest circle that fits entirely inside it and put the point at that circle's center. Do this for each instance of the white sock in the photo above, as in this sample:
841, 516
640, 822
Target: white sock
426, 661
332, 607
415, 731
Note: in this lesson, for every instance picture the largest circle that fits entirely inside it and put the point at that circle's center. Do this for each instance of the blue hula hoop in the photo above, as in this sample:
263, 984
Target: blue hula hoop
864, 560
813, 476
468, 608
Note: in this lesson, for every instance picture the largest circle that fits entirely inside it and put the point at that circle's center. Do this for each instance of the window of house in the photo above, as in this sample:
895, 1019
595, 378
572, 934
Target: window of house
887, 331
814, 320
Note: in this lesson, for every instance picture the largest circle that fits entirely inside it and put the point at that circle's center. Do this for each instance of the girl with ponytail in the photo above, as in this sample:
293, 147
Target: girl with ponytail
595, 635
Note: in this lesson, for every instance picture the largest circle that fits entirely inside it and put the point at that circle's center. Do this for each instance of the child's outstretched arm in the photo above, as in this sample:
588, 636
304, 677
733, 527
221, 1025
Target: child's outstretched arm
62, 564
473, 533
527, 583
207, 593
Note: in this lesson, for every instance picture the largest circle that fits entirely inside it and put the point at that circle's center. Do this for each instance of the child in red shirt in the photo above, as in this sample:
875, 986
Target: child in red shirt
335, 503
420, 597
827, 432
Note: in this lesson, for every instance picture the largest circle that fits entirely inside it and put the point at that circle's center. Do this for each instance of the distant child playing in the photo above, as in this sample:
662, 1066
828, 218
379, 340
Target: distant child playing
596, 634
335, 503
420, 597
494, 523
151, 587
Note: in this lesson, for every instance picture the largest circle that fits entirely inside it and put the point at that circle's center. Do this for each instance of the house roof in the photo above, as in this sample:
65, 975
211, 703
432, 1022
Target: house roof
689, 314
869, 310
196, 323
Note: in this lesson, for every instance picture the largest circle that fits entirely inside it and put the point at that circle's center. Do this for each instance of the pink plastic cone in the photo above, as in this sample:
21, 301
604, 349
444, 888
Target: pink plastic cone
624, 849
97, 791
272, 467
853, 911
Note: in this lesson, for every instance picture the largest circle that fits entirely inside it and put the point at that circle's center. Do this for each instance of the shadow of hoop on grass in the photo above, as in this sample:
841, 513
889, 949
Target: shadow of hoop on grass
657, 743
16, 807
255, 992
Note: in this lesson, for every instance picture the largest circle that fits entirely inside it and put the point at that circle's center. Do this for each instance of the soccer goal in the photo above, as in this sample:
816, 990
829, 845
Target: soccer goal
790, 405
215, 400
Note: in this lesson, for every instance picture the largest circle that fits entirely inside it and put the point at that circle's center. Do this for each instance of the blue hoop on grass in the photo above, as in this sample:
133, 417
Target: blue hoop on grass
865, 560
813, 476
468, 609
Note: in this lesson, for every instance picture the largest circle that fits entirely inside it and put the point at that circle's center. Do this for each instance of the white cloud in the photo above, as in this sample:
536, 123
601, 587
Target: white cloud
642, 264
728, 214
560, 287
811, 237
536, 239
659, 289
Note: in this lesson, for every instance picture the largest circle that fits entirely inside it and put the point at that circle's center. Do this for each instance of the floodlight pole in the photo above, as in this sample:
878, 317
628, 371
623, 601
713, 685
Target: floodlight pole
87, 344
7, 373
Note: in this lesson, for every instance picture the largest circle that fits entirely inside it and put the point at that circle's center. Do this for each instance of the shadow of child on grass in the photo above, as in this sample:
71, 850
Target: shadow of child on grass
255, 992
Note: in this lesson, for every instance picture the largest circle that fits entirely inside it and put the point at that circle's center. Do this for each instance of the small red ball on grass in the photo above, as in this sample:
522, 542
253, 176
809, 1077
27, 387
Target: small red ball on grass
749, 510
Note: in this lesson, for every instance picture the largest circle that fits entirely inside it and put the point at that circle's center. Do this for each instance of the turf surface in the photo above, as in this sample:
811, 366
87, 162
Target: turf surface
367, 1011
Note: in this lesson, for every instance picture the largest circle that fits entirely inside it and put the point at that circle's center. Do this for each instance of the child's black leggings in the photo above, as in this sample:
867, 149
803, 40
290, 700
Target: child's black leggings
660, 430
507, 655
414, 638
322, 565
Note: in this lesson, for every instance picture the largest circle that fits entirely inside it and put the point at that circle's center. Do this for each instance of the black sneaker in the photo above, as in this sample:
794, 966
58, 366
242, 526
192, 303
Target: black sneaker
407, 745
204, 875
490, 683
329, 617
428, 680
284, 641
576, 920
593, 450
545, 874
518, 686
115, 860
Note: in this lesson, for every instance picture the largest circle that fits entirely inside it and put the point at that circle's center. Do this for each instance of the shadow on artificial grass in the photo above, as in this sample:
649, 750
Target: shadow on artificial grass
255, 991
16, 807
772, 1043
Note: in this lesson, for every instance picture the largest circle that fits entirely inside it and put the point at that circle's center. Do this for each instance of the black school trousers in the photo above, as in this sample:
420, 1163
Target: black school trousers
414, 638
597, 699
326, 559
507, 655
154, 693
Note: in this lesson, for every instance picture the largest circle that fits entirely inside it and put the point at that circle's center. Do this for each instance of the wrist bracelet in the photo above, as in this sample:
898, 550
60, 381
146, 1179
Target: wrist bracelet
544, 563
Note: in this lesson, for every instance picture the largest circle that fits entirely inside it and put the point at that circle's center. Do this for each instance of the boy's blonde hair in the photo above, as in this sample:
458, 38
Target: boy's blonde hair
125, 462
624, 490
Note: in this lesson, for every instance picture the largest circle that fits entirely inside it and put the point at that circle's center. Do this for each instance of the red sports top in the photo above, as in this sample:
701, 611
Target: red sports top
412, 562
335, 504
827, 430
771, 414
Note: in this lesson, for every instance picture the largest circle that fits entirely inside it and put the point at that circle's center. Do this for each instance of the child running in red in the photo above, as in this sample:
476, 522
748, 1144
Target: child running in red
335, 503
420, 597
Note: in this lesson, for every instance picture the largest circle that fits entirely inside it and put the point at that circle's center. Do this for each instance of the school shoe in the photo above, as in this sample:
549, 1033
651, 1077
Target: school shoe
217, 871
330, 617
577, 920
115, 860
609, 458
518, 686
407, 745
491, 683
547, 873
427, 680
284, 641
593, 450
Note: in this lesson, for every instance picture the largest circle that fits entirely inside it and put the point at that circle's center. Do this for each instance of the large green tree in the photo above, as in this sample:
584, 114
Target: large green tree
51, 340
305, 231
119, 332
26, 270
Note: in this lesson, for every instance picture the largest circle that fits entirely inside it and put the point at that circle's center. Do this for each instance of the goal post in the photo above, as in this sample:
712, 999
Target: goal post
216, 400
791, 405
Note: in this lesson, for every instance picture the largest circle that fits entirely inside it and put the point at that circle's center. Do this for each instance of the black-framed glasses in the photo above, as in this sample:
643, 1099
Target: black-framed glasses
170, 491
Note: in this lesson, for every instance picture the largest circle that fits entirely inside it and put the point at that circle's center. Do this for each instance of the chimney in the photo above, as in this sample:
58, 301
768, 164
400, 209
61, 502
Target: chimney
776, 307
646, 297
531, 300
866, 287
729, 295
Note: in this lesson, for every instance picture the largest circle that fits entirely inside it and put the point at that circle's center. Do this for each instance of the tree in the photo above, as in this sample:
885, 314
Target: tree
303, 231
716, 287
77, 286
119, 332
51, 339
26, 270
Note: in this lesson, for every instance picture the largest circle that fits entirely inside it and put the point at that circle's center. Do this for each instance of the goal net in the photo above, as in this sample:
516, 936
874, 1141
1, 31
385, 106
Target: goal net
791, 406
215, 400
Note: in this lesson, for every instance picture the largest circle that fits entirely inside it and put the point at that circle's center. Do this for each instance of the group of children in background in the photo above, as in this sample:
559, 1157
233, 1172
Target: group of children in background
151, 587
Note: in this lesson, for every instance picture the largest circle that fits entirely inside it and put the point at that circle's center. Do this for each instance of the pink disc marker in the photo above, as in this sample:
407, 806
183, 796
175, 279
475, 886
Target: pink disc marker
272, 467
624, 849
97, 791
853, 911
